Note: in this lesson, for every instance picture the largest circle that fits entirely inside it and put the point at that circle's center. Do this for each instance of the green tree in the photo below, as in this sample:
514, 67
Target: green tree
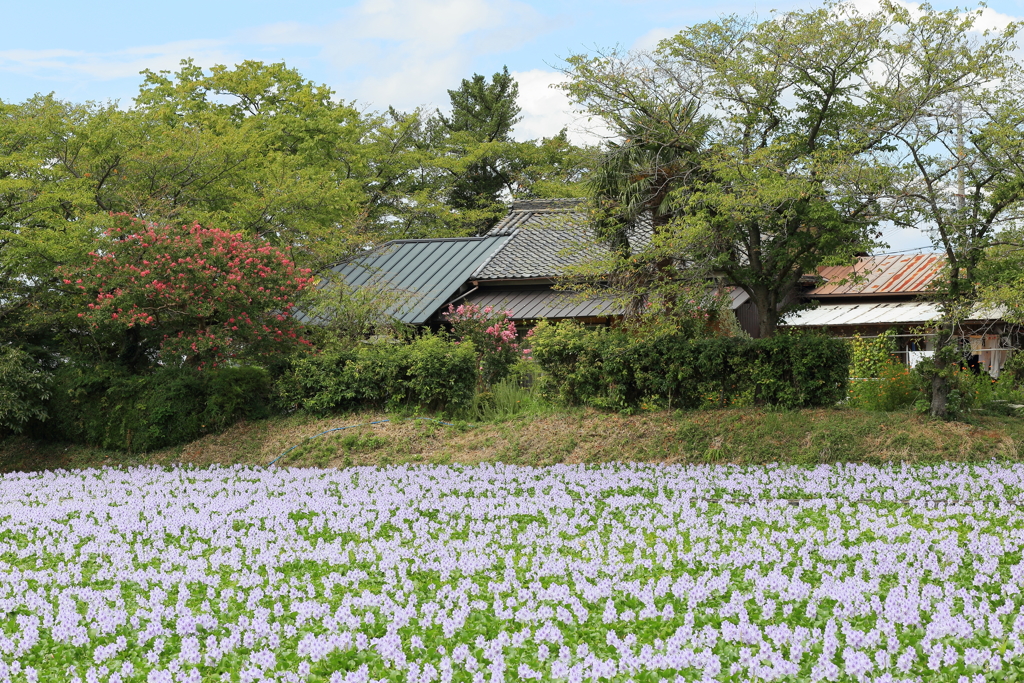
255, 149
796, 169
422, 174
552, 168
969, 190
261, 150
479, 130
24, 388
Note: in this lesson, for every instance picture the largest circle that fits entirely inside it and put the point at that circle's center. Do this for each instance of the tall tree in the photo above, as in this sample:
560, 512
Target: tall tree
964, 170
436, 176
480, 131
795, 169
255, 149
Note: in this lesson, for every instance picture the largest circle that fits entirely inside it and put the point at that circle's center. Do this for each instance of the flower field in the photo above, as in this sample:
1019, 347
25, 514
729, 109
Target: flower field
571, 573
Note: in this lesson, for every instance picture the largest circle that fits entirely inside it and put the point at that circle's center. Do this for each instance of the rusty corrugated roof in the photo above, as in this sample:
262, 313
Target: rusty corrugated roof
884, 275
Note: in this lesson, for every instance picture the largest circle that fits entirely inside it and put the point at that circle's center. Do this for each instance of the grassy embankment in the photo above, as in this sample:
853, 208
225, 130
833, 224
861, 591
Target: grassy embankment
747, 436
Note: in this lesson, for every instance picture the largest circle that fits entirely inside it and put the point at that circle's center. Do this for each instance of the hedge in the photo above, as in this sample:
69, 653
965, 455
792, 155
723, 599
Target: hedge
107, 407
611, 368
431, 373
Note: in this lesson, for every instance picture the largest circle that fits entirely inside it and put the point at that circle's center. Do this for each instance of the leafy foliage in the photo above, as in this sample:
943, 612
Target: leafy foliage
872, 356
482, 113
199, 294
612, 369
430, 373
24, 389
893, 387
109, 407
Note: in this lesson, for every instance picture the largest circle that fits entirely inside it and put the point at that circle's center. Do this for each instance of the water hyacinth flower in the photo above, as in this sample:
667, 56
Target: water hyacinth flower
496, 572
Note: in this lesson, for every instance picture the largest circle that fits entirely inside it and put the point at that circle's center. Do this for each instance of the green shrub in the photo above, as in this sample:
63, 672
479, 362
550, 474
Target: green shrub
520, 393
108, 407
895, 388
798, 370
24, 388
871, 357
430, 373
965, 388
1012, 375
609, 368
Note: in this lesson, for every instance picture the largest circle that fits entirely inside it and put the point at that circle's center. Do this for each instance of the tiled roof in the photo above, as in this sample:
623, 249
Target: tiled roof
880, 275
430, 270
546, 236
529, 303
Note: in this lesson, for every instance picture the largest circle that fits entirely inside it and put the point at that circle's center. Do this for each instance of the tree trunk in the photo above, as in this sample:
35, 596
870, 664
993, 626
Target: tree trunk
940, 378
940, 392
767, 314
767, 323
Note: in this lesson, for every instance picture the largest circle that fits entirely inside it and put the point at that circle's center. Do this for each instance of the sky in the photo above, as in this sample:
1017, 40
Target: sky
378, 53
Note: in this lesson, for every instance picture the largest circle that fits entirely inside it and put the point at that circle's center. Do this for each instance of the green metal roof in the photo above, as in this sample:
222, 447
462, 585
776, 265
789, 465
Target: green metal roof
429, 270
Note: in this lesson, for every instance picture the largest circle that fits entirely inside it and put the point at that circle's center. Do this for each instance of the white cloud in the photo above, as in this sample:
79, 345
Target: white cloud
650, 40
408, 52
991, 20
546, 109
70, 64
381, 52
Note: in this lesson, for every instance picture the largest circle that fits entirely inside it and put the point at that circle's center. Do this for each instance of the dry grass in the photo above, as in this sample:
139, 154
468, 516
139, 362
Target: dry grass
737, 436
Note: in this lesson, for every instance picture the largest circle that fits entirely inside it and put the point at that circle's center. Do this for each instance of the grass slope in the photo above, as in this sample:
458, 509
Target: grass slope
742, 436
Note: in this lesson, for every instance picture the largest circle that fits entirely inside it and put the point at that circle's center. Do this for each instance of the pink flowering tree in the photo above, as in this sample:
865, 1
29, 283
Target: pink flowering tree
197, 295
493, 335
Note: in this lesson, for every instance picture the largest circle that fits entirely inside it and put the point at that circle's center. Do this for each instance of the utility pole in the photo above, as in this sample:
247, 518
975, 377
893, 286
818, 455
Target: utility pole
960, 189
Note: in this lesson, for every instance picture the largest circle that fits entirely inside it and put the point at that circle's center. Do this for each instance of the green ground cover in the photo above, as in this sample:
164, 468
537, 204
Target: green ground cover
611, 572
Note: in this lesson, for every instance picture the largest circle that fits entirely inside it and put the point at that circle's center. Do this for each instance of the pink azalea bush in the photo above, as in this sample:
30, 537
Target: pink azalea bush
493, 334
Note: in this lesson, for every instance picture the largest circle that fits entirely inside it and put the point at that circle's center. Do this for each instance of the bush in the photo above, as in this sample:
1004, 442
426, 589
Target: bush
24, 388
493, 334
518, 394
107, 407
873, 356
895, 388
609, 368
429, 373
799, 370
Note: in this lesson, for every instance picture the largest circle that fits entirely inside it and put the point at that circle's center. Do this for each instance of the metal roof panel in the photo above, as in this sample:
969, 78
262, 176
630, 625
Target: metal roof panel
546, 237
430, 270
894, 274
903, 312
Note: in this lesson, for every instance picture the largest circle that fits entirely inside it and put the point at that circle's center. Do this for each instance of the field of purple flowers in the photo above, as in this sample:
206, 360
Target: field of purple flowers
570, 573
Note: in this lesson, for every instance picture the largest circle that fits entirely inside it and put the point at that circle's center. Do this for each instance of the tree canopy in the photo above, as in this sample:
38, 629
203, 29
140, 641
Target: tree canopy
256, 150
789, 148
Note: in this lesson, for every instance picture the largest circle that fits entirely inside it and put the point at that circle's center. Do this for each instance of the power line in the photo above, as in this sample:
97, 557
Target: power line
901, 251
